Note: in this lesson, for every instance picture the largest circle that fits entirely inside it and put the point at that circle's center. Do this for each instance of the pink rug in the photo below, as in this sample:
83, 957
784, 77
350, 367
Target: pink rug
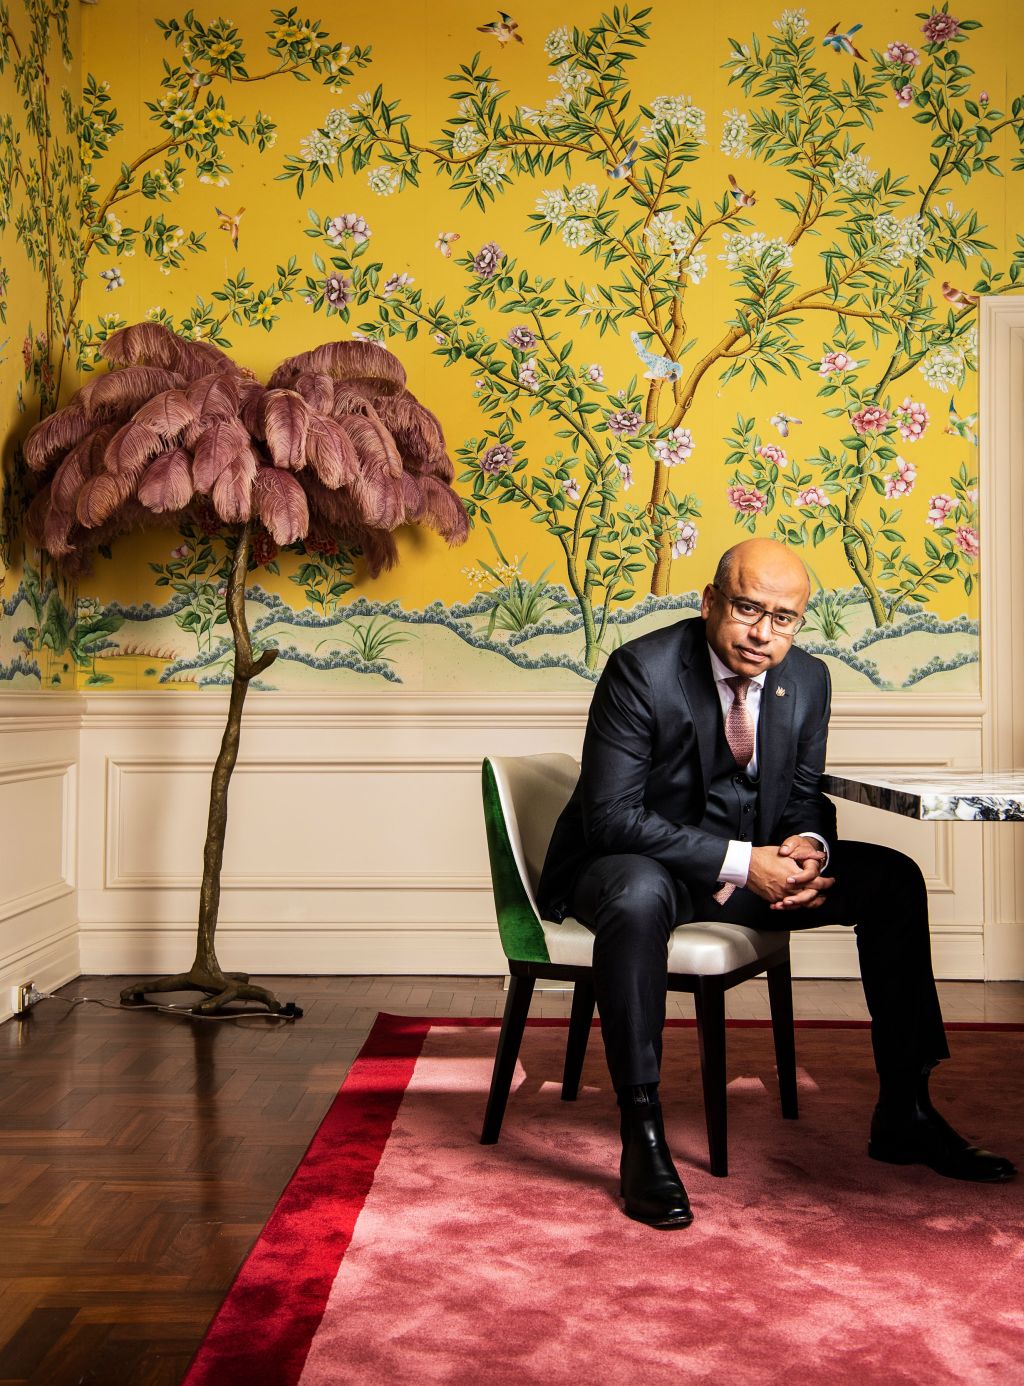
404, 1253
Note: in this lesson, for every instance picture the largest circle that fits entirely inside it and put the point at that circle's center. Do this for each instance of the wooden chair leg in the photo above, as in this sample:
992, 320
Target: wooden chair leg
579, 1033
513, 1023
780, 997
709, 997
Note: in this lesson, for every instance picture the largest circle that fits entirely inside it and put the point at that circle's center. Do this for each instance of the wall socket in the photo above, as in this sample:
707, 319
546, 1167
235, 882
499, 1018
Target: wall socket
24, 997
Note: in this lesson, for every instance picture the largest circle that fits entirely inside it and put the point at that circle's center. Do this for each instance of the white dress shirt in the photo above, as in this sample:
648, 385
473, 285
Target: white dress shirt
736, 866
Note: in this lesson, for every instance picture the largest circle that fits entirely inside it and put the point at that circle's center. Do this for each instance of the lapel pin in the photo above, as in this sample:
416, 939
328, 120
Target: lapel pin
780, 692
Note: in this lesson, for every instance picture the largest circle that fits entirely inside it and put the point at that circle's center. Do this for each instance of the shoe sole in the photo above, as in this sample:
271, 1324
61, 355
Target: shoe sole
663, 1224
886, 1159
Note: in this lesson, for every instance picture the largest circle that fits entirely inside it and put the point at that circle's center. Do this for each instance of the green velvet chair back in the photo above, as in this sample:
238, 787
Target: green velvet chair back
523, 796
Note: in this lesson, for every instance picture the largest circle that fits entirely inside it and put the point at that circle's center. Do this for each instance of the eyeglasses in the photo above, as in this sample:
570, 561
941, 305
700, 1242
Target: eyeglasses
750, 614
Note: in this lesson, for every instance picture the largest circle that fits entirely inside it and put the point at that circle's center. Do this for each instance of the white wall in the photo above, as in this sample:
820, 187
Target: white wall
39, 737
355, 840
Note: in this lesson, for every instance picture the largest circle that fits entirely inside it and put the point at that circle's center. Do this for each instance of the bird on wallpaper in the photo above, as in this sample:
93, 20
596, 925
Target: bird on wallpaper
960, 297
782, 422
842, 43
196, 78
965, 427
503, 28
741, 198
658, 367
625, 165
229, 223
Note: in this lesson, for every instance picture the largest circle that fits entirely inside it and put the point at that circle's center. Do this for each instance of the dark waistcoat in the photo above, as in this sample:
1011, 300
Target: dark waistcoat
732, 795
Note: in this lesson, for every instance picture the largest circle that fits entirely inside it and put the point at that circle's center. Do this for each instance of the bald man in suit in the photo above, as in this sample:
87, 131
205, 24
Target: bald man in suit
699, 797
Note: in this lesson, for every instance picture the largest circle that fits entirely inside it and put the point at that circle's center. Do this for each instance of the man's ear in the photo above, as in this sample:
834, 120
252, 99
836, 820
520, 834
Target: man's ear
707, 597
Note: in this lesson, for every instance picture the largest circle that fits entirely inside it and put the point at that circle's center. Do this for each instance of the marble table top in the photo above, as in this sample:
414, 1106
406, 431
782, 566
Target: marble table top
967, 795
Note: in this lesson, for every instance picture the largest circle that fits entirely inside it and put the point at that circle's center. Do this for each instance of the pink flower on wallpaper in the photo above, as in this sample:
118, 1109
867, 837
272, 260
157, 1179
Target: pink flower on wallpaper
912, 419
813, 495
625, 473
675, 448
967, 541
901, 482
496, 458
940, 28
686, 539
902, 54
487, 260
940, 509
872, 419
624, 423
528, 374
837, 361
972, 494
905, 96
771, 453
521, 338
571, 488
747, 500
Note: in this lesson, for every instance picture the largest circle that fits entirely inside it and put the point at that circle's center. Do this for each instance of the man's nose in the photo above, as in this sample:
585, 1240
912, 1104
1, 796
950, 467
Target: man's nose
762, 627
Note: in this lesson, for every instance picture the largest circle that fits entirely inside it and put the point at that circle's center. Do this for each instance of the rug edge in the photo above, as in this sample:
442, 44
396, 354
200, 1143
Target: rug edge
326, 1162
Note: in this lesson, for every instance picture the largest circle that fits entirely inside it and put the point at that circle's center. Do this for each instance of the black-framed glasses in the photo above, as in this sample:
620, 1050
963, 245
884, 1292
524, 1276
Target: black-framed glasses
750, 614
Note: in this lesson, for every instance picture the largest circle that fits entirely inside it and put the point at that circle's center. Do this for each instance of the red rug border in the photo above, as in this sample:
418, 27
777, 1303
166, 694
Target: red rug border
305, 1266
367, 1102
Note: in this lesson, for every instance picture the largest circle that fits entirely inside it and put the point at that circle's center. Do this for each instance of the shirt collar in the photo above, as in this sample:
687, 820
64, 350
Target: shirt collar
722, 671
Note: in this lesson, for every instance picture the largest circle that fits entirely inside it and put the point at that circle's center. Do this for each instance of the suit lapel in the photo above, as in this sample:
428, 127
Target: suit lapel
774, 737
698, 686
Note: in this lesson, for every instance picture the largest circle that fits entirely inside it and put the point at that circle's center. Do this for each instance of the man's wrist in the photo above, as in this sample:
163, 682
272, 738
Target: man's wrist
736, 866
816, 837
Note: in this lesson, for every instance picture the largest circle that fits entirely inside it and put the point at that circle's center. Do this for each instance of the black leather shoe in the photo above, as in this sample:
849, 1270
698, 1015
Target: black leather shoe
651, 1189
925, 1138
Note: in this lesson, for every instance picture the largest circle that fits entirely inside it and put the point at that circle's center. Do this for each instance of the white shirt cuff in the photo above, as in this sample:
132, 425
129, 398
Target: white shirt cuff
824, 847
736, 866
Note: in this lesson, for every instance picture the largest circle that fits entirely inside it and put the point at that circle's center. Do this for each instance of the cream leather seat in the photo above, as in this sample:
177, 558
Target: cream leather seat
523, 796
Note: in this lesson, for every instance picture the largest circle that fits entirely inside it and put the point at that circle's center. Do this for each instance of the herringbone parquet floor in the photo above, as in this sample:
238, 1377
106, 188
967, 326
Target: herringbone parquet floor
140, 1154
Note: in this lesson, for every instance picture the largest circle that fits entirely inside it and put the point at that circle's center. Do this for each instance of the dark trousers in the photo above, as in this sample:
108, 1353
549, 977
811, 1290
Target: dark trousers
631, 904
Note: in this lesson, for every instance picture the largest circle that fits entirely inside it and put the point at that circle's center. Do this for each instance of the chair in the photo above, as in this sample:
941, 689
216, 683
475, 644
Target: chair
523, 796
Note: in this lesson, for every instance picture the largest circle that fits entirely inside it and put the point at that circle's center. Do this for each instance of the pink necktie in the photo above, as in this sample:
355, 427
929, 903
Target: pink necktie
739, 732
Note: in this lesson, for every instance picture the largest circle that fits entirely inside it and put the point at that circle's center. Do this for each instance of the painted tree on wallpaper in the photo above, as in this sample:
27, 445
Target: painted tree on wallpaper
69, 206
613, 171
70, 212
333, 450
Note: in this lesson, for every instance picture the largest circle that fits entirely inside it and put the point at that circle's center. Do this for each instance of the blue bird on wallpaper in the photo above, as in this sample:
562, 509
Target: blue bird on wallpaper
658, 367
625, 165
842, 43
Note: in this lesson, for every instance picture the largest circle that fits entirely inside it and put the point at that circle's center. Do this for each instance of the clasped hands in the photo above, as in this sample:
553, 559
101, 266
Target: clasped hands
787, 876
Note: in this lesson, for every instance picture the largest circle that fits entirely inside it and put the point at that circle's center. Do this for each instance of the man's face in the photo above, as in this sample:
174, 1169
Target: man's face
751, 649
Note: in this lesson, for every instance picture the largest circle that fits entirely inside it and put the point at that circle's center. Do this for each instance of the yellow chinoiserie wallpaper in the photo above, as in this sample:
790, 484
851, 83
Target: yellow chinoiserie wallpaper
667, 275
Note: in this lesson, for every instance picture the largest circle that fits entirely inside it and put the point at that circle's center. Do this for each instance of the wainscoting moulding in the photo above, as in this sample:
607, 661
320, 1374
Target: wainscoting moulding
415, 921
39, 747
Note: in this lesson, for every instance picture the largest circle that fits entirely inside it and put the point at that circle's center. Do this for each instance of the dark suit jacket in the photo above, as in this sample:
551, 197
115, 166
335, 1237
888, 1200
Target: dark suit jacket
649, 751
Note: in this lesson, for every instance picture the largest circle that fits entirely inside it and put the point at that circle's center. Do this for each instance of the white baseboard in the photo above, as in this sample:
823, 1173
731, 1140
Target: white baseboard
280, 949
957, 954
49, 961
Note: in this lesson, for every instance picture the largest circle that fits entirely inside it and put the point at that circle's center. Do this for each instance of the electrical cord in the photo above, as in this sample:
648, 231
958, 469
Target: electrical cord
289, 1012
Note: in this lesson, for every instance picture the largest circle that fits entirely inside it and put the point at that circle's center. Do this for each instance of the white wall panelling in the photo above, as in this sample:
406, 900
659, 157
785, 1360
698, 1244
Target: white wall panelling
355, 841
39, 736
